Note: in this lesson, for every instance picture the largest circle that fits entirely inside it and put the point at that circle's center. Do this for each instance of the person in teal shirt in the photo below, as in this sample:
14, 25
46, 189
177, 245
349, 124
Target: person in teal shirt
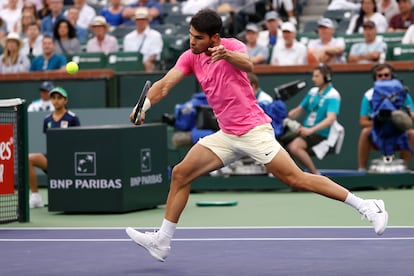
49, 60
321, 105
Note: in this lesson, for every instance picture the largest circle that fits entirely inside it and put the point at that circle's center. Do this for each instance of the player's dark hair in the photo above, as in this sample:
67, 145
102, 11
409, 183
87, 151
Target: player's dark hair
207, 21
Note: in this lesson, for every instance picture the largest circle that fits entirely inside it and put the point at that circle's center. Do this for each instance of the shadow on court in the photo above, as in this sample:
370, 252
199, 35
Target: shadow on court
210, 251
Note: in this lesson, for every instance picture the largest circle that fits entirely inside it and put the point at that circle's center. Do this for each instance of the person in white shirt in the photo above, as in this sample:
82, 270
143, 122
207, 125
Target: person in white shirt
11, 15
289, 51
261, 96
32, 43
144, 40
367, 12
86, 13
388, 8
408, 36
12, 60
43, 103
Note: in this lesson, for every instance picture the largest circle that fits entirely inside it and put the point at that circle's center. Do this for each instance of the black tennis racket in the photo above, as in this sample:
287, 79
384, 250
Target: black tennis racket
140, 102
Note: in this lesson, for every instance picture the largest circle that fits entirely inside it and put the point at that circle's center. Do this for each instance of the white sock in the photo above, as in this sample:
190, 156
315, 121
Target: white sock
167, 232
354, 201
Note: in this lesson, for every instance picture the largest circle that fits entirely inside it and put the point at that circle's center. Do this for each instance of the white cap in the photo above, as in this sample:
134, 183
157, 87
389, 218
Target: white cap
288, 26
326, 22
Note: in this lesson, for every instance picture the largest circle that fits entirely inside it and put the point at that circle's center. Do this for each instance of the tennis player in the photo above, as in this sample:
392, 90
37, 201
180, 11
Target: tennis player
221, 66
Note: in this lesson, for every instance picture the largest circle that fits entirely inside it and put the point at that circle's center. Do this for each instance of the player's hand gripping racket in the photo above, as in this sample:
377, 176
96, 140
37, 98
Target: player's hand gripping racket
140, 102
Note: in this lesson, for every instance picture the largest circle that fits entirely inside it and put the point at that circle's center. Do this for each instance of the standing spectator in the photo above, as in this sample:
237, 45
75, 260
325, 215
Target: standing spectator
11, 15
272, 34
326, 49
286, 10
371, 49
408, 36
43, 103
113, 13
321, 104
401, 21
380, 72
32, 43
289, 51
367, 12
61, 117
102, 41
65, 38
72, 16
49, 60
258, 53
388, 8
155, 10
49, 21
86, 13
144, 40
12, 60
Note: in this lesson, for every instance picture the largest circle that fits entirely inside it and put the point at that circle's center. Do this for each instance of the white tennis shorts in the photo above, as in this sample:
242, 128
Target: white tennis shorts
259, 143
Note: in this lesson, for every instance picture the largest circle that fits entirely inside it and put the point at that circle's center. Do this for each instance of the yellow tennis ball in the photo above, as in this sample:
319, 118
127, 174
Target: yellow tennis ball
72, 67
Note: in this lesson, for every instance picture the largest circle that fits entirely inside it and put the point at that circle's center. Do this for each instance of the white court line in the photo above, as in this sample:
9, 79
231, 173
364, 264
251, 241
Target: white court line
214, 239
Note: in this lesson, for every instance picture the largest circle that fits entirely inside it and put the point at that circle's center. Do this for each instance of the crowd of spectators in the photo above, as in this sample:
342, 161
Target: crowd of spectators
271, 34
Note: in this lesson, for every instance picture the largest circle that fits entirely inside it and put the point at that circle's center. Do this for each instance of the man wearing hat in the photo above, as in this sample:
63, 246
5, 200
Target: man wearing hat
326, 49
289, 51
61, 117
144, 40
258, 53
43, 103
102, 41
272, 34
371, 50
12, 61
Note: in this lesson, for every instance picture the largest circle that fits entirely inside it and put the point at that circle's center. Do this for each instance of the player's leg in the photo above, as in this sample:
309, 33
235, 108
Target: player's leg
283, 167
364, 146
38, 160
298, 148
405, 154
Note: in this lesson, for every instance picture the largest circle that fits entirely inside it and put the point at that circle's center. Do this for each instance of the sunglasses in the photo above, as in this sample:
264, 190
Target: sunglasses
385, 75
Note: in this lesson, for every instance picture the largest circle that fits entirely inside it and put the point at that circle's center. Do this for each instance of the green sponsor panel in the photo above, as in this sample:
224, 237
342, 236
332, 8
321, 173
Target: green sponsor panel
112, 168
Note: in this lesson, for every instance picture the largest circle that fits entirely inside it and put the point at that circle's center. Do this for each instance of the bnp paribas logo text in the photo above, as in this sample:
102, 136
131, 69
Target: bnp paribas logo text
146, 160
85, 163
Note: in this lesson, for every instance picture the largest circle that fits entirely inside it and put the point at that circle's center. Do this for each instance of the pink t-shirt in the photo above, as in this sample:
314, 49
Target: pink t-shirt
227, 89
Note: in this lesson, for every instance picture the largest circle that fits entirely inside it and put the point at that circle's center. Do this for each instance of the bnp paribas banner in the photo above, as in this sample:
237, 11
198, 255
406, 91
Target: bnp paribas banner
107, 168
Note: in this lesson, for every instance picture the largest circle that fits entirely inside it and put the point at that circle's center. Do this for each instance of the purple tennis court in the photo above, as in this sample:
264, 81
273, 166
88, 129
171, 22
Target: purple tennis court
210, 251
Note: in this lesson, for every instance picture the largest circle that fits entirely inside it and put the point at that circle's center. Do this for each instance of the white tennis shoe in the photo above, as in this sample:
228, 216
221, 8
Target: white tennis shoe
149, 240
374, 211
35, 201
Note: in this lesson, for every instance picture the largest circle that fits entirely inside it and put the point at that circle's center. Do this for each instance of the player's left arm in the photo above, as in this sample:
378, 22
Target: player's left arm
239, 60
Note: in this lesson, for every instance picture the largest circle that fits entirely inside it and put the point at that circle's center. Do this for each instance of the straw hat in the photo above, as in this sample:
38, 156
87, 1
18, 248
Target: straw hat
15, 37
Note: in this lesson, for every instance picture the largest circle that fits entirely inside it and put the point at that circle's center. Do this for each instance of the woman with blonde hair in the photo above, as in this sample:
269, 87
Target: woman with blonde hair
12, 61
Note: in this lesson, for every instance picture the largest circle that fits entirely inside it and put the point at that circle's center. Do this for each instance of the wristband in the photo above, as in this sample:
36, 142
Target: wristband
147, 105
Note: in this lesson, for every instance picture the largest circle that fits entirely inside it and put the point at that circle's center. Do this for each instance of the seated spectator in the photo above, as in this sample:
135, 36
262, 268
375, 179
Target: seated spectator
26, 19
73, 16
408, 36
32, 43
321, 104
272, 34
44, 11
144, 40
11, 15
289, 51
49, 60
65, 38
102, 41
49, 21
3, 29
32, 9
326, 49
86, 13
43, 103
61, 117
12, 61
113, 13
388, 8
381, 72
258, 53
367, 12
155, 10
371, 49
401, 21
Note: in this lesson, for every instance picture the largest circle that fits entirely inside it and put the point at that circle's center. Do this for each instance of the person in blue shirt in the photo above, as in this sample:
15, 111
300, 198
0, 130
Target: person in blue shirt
61, 117
381, 72
321, 104
155, 10
49, 60
56, 13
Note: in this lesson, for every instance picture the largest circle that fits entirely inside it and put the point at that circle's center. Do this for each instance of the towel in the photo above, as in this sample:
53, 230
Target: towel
335, 140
